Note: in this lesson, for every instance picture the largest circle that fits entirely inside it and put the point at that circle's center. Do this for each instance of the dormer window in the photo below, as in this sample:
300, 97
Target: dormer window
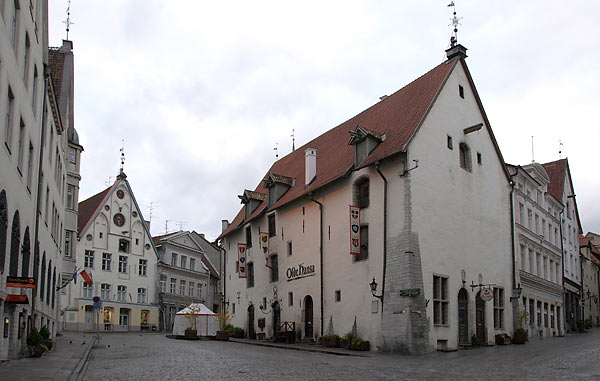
277, 185
364, 142
251, 200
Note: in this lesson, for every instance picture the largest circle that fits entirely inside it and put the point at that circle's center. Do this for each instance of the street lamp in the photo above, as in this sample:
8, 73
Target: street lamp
373, 286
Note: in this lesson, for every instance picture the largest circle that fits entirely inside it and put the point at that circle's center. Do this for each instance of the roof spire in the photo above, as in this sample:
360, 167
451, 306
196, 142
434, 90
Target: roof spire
560, 144
276, 149
122, 174
68, 20
293, 140
455, 23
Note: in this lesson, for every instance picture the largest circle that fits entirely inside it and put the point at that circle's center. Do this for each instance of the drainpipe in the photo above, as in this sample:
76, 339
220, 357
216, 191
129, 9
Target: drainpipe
223, 276
512, 245
562, 254
310, 196
385, 197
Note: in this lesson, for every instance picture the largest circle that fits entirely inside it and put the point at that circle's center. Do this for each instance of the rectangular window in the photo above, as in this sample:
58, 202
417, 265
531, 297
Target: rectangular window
274, 268
199, 290
173, 288
163, 283
105, 291
88, 259
69, 243
461, 91
539, 314
479, 161
182, 284
250, 278
106, 261
72, 155
544, 227
529, 219
124, 246
183, 261
498, 308
21, 147
449, 141
87, 290
121, 293
546, 315
290, 299
440, 300
551, 316
531, 312
70, 197
9, 119
272, 226
465, 157
363, 193
521, 214
122, 264
193, 264
141, 296
174, 259
191, 288
142, 267
338, 295
523, 260
249, 237
30, 166
364, 244
537, 224
289, 248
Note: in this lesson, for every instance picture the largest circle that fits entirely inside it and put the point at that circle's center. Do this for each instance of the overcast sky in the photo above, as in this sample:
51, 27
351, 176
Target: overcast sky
202, 91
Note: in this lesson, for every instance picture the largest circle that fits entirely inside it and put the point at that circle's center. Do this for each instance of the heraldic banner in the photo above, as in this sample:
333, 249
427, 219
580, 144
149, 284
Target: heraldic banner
264, 243
242, 260
354, 230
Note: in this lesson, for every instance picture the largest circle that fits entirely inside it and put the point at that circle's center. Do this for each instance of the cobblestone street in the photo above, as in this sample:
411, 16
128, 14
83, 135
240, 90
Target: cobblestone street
153, 356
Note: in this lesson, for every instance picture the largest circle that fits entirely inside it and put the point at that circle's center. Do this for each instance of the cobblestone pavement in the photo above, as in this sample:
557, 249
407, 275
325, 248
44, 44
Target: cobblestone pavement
153, 356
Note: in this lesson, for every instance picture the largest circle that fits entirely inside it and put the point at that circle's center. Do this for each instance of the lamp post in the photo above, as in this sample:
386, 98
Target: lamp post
373, 286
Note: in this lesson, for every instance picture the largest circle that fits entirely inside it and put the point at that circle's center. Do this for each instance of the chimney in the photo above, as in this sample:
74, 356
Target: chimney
456, 51
224, 225
310, 165
67, 46
202, 235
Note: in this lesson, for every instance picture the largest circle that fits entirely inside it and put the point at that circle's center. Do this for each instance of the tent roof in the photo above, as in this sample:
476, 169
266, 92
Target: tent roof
196, 309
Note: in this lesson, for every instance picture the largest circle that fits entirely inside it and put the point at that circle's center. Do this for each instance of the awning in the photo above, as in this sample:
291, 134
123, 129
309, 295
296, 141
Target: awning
16, 299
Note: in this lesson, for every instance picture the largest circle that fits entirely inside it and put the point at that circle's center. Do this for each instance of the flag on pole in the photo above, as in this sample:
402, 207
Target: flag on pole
87, 276
75, 277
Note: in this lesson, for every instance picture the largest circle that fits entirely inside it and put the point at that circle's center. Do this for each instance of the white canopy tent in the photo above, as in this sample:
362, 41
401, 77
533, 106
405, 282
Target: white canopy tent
207, 323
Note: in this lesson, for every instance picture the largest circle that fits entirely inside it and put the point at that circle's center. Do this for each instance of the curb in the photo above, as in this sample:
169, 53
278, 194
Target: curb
315, 350
78, 371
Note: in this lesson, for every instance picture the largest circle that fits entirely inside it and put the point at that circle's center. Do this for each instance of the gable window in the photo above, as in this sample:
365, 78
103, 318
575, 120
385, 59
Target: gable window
440, 300
142, 267
193, 264
364, 244
124, 245
249, 237
250, 278
464, 157
88, 260
498, 308
361, 190
272, 227
174, 259
106, 261
274, 268
461, 91
122, 264
449, 142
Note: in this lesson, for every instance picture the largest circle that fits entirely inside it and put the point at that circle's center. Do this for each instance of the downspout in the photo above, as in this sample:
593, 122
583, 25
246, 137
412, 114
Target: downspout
310, 196
562, 254
385, 197
224, 276
512, 229
39, 182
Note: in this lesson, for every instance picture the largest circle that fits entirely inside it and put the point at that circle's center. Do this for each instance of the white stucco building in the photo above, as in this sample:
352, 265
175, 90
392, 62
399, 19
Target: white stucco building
116, 247
590, 266
561, 187
537, 252
434, 195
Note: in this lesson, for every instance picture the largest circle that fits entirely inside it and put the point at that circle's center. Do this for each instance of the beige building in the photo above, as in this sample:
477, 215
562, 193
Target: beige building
415, 186
590, 273
116, 247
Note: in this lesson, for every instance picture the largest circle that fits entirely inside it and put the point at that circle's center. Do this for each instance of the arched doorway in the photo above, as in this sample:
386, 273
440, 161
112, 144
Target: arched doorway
251, 331
276, 317
463, 316
308, 317
480, 318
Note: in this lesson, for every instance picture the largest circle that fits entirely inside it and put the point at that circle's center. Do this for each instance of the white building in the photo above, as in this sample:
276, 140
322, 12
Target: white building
590, 266
425, 169
561, 187
33, 172
116, 247
538, 252
185, 273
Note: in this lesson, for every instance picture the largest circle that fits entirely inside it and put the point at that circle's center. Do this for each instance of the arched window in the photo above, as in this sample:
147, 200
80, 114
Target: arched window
15, 245
53, 287
3, 228
361, 192
48, 284
465, 157
26, 253
43, 277
36, 266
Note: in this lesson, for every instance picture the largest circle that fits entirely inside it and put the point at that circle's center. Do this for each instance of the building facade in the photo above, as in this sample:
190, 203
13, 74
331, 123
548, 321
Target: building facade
115, 246
561, 187
185, 274
590, 272
416, 189
538, 253
33, 174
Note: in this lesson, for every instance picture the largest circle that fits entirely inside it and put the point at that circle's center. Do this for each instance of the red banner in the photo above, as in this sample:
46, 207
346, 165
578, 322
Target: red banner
264, 243
242, 260
354, 230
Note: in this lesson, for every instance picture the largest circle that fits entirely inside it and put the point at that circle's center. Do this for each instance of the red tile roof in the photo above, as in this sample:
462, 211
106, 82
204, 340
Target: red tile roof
556, 172
87, 209
398, 117
56, 60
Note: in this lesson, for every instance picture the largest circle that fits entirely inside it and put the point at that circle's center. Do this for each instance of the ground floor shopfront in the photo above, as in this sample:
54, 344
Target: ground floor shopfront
111, 317
573, 312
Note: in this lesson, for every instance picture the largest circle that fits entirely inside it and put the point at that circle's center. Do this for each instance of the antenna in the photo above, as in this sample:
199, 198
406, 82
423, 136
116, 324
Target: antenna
455, 23
532, 155
109, 181
122, 150
560, 144
276, 149
181, 225
293, 140
68, 21
167, 226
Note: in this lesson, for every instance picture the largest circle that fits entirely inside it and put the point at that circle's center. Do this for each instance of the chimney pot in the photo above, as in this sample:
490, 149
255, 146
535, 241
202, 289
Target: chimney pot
224, 226
310, 165
457, 51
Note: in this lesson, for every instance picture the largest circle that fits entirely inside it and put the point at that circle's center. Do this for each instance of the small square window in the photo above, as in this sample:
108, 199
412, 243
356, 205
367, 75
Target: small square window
479, 158
290, 298
338, 295
450, 142
461, 91
289, 248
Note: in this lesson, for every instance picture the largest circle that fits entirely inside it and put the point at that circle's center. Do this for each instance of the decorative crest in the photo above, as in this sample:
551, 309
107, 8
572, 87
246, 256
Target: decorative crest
455, 23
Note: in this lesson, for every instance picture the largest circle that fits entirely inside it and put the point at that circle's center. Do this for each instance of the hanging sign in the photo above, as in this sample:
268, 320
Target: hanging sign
242, 260
354, 230
486, 294
264, 243
20, 282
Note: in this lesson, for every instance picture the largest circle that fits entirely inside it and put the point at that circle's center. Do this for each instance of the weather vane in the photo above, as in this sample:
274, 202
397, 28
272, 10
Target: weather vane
276, 149
68, 21
293, 140
560, 144
455, 23
122, 150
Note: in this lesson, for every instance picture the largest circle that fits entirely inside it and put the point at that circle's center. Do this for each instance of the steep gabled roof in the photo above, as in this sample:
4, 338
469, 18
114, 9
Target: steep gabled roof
556, 172
87, 209
398, 117
56, 60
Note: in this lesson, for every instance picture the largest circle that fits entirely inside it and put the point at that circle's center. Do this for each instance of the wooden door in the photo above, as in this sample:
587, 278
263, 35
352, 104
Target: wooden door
463, 316
480, 318
308, 317
251, 331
